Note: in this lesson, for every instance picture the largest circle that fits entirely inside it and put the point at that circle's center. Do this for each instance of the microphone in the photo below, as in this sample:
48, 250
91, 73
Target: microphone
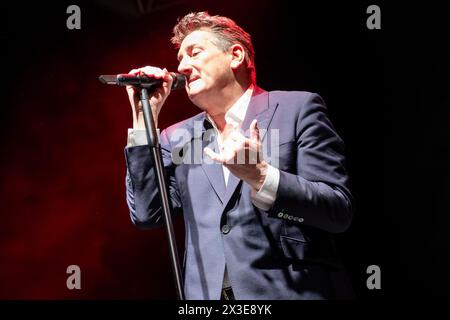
144, 81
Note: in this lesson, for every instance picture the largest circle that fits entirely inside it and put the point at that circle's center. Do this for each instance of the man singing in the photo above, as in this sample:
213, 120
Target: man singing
269, 187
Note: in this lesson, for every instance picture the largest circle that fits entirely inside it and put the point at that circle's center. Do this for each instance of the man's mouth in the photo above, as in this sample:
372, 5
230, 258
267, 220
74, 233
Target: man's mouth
193, 79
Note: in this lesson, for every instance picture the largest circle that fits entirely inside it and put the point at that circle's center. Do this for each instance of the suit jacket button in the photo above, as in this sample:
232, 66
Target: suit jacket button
225, 229
301, 219
280, 214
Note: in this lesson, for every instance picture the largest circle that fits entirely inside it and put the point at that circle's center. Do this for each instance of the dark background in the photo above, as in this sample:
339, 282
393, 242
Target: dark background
63, 133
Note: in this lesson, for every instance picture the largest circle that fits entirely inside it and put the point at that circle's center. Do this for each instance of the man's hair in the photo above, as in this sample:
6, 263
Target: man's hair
227, 33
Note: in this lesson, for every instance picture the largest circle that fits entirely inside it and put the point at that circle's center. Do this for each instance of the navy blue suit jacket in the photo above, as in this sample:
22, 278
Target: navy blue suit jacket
283, 253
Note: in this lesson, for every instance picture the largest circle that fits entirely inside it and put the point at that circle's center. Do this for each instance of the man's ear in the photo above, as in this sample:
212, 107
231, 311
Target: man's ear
237, 56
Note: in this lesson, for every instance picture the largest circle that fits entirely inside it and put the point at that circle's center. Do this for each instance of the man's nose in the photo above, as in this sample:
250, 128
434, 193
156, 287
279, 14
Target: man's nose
184, 67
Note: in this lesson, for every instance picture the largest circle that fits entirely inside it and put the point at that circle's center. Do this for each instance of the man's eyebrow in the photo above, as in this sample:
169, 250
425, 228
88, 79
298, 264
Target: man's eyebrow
189, 47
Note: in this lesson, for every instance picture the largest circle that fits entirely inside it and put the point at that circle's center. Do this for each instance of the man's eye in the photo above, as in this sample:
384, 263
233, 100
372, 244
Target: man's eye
195, 52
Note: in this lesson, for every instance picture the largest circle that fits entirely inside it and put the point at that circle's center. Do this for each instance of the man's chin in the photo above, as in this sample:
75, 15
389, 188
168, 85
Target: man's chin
193, 94
197, 98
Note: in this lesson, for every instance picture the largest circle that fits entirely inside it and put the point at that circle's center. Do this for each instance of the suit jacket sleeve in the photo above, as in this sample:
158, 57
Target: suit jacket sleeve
142, 193
316, 192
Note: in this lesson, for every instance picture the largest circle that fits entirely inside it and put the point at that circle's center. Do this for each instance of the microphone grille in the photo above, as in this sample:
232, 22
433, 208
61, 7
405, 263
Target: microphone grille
179, 81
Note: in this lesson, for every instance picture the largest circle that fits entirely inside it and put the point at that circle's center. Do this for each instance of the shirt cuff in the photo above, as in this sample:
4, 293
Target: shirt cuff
138, 137
265, 197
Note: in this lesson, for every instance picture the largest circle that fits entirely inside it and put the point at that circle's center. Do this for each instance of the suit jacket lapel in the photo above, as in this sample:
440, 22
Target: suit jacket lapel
260, 109
213, 171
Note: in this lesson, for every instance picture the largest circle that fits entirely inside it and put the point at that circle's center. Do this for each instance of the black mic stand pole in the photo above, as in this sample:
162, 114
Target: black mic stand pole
156, 157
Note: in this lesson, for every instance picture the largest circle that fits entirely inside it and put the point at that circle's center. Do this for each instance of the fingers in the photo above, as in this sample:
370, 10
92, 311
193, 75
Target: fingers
237, 149
152, 72
156, 73
254, 131
167, 77
214, 156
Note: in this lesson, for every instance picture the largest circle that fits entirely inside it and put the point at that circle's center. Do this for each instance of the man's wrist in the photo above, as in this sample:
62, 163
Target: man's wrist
262, 170
139, 122
265, 197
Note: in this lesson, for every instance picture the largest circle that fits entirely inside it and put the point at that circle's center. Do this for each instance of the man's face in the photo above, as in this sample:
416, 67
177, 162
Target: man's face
206, 66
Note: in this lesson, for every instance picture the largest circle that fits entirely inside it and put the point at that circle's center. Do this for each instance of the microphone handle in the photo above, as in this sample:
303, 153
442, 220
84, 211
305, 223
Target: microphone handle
137, 80
179, 80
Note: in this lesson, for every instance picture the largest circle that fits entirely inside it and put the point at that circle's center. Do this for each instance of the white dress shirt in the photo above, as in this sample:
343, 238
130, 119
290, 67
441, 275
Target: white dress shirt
262, 198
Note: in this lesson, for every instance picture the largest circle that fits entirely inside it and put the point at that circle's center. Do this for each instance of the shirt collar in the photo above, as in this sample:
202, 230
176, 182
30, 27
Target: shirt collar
236, 114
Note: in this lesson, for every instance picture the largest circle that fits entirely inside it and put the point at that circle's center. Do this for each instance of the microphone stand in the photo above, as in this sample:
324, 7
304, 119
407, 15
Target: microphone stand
156, 157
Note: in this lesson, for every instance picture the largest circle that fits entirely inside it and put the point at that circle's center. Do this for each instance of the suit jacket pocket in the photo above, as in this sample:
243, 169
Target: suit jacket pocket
300, 249
294, 248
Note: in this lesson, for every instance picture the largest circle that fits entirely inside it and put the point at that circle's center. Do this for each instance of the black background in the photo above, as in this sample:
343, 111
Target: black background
387, 94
